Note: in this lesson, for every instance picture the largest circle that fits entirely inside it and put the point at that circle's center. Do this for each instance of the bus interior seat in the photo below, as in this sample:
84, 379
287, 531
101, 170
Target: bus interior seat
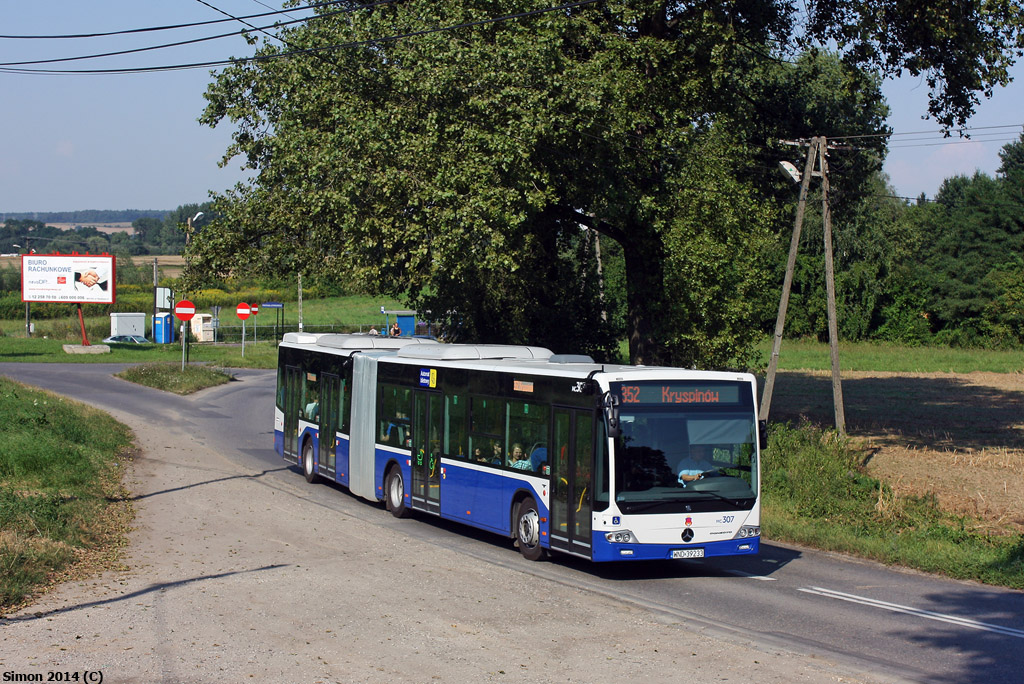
538, 457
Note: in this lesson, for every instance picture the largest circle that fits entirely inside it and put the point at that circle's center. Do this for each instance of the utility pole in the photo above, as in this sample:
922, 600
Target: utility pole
816, 154
300, 301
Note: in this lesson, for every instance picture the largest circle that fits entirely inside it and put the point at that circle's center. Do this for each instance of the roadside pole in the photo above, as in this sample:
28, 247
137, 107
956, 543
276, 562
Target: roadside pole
184, 310
243, 311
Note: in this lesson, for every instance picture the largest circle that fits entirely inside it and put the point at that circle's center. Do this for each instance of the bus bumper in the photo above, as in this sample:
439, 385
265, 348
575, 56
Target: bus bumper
606, 551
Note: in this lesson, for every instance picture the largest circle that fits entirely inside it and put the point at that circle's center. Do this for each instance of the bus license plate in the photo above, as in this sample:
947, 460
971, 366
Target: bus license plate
687, 553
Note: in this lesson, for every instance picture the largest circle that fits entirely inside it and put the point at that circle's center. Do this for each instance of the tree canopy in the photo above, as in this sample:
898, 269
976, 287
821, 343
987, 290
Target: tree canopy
473, 170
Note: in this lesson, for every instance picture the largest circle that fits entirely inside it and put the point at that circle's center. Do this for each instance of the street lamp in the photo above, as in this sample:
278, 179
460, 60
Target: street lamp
188, 238
188, 233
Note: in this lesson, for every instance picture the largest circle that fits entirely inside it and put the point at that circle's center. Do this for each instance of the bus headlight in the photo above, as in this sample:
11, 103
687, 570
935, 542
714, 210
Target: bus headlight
748, 531
620, 537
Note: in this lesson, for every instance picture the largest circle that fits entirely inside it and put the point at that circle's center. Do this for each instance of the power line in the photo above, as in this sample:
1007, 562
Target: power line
173, 26
267, 57
940, 132
196, 40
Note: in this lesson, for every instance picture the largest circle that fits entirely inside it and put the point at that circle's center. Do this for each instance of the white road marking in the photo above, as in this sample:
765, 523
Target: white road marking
740, 573
927, 614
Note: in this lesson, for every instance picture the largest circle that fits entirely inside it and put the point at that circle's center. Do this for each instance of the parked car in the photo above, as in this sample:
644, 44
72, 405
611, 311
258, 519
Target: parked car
125, 339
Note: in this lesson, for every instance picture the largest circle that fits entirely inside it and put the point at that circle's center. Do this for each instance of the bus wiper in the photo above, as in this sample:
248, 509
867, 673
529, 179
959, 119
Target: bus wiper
636, 507
727, 499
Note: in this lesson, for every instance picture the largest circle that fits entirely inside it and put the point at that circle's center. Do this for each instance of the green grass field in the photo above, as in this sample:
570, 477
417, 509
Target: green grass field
874, 356
61, 498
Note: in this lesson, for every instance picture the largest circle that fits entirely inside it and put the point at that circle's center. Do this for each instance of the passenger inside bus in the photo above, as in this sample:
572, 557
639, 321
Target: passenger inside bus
518, 459
496, 458
313, 410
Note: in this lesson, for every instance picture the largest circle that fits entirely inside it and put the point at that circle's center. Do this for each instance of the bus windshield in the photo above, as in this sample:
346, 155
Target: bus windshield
670, 459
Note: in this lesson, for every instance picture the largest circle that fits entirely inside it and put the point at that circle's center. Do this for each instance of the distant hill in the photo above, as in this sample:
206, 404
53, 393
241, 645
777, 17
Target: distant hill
86, 216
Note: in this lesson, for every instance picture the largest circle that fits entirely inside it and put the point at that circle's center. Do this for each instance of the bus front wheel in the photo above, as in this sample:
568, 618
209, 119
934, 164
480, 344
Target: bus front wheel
528, 530
394, 488
308, 469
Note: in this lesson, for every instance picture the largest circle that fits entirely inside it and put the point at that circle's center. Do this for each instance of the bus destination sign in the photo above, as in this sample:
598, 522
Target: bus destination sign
683, 392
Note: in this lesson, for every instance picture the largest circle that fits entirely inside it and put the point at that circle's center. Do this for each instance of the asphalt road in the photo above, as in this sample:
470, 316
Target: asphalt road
870, 620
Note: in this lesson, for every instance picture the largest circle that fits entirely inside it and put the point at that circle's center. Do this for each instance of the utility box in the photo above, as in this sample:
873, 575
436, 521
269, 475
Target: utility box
163, 328
128, 324
202, 327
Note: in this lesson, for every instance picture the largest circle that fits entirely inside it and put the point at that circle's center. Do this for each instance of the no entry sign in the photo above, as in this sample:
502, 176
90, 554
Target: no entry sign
243, 311
255, 309
184, 310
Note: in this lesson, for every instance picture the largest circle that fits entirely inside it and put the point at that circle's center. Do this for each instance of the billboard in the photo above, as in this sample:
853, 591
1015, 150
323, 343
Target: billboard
75, 278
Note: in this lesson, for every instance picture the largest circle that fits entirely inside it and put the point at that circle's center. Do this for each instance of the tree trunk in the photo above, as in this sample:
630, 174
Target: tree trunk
644, 258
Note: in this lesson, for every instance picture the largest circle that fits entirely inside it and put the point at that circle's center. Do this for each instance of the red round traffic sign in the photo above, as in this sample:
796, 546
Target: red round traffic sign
243, 311
184, 310
254, 308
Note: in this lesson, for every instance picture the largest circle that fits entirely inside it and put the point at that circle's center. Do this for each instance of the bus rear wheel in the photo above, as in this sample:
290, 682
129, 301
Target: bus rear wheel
308, 468
394, 493
528, 530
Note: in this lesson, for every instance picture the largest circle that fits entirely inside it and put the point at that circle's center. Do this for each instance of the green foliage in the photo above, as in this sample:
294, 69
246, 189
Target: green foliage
172, 378
455, 171
58, 476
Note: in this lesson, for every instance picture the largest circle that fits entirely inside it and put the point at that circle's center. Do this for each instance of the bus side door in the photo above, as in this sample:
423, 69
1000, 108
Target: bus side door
571, 480
292, 390
330, 395
427, 425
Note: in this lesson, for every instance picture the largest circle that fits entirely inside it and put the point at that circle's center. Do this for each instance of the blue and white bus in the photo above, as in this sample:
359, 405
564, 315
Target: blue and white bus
556, 452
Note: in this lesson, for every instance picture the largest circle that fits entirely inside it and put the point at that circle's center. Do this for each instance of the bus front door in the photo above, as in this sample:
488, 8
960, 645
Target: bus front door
426, 451
292, 389
571, 481
329, 396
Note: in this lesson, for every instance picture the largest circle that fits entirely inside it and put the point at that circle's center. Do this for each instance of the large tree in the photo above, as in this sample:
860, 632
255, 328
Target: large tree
458, 167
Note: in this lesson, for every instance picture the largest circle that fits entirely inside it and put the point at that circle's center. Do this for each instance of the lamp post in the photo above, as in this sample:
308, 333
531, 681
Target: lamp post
188, 239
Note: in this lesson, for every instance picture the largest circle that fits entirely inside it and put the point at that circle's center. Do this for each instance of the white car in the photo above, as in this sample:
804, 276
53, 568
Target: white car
125, 339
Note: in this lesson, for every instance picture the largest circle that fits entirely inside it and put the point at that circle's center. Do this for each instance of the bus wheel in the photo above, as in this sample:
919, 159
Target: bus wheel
307, 462
528, 530
394, 489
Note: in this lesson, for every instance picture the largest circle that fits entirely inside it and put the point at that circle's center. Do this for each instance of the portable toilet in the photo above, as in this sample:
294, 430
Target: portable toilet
163, 328
406, 321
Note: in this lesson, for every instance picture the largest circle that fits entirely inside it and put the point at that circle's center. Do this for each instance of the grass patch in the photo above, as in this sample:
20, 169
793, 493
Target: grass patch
354, 310
875, 356
61, 498
172, 378
817, 493
36, 350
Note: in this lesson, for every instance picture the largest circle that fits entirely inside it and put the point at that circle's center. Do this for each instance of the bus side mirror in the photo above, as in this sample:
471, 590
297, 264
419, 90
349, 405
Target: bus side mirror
610, 406
762, 434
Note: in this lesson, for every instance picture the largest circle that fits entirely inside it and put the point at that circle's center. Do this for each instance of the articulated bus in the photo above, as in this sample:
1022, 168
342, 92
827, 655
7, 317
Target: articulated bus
555, 452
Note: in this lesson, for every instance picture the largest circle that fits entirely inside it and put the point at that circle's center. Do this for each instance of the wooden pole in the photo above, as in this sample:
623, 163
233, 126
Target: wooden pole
787, 283
830, 287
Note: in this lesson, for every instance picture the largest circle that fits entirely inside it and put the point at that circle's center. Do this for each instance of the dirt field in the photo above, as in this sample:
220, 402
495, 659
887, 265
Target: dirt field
957, 436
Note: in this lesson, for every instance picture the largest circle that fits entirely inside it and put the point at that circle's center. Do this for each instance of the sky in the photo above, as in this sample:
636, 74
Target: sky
132, 141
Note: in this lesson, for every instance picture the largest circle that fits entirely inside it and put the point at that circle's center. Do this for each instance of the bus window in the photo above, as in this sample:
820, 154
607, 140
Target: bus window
280, 386
311, 398
394, 416
345, 406
487, 430
528, 435
455, 426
